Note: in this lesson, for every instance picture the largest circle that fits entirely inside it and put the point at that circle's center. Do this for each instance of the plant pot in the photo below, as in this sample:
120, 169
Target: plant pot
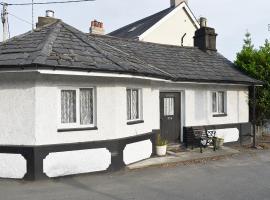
219, 143
161, 150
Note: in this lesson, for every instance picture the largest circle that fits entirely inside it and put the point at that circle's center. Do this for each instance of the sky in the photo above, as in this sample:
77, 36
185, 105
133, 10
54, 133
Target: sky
231, 18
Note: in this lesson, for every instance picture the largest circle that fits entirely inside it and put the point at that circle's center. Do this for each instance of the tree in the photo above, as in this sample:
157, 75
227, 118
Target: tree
256, 63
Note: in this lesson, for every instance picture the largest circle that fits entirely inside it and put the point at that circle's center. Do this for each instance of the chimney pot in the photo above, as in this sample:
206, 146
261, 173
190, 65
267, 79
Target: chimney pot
49, 13
203, 22
97, 28
48, 19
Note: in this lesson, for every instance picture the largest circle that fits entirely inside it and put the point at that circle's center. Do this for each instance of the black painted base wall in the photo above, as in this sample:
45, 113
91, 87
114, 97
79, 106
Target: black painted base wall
35, 155
245, 131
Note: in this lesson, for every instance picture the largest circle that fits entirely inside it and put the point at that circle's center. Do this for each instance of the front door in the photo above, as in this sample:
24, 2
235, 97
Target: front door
170, 122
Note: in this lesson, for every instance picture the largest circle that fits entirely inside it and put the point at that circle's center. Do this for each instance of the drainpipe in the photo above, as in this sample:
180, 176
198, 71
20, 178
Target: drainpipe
182, 39
254, 115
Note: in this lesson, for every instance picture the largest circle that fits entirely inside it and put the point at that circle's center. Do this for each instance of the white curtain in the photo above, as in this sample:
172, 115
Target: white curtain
129, 104
132, 104
221, 97
214, 102
135, 105
169, 106
86, 106
68, 106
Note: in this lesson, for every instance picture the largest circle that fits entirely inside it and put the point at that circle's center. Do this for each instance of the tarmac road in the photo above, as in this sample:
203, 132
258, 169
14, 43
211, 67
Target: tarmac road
242, 177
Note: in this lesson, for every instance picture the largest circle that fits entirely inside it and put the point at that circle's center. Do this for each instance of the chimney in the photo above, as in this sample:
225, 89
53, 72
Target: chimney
97, 28
48, 19
175, 3
205, 37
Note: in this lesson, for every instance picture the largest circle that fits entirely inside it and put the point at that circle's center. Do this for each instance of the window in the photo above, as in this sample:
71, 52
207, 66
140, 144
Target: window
77, 107
169, 106
218, 102
133, 104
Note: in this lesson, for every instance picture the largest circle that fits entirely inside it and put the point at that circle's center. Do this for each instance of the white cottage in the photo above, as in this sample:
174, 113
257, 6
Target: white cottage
175, 25
74, 103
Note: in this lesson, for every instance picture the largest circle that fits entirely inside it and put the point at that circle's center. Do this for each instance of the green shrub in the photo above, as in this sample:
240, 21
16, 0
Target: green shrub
161, 141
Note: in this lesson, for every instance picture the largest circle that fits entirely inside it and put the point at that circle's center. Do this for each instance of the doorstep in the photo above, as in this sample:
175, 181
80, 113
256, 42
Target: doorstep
184, 157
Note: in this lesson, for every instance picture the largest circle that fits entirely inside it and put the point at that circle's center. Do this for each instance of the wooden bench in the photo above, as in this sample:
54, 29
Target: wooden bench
199, 136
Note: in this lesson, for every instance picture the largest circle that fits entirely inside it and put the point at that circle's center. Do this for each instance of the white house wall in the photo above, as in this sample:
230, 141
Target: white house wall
12, 166
197, 103
199, 106
76, 162
137, 151
17, 109
111, 109
171, 30
29, 111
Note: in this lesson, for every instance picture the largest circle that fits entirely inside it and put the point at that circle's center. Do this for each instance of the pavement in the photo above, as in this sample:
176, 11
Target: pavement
185, 157
244, 176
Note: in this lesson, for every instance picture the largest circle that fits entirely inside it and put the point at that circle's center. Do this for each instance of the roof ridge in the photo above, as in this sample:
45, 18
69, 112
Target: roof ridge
46, 45
85, 40
144, 42
106, 53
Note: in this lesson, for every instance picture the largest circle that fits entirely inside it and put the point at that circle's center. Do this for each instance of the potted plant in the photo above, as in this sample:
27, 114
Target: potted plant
218, 142
161, 146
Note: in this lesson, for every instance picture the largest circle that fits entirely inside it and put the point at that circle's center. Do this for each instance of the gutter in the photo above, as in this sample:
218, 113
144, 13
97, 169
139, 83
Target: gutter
57, 70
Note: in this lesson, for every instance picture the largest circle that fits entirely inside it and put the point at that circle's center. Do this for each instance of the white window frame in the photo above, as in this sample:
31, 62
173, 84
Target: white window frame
140, 104
78, 116
217, 104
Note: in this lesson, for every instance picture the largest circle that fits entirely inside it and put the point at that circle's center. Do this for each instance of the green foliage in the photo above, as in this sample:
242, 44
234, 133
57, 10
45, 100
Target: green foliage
161, 141
256, 63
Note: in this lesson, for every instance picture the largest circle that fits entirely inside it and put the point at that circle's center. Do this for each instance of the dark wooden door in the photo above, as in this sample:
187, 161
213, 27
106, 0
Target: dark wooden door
170, 114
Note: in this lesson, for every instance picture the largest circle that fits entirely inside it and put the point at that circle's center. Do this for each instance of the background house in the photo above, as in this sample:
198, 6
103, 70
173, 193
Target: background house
175, 25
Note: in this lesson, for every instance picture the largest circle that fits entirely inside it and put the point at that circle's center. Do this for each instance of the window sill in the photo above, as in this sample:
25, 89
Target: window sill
76, 129
135, 122
220, 115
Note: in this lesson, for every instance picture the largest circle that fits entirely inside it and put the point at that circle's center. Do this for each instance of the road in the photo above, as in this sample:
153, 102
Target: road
242, 177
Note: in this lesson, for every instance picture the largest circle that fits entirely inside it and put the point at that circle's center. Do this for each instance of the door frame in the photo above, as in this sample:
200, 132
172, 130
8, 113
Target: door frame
182, 110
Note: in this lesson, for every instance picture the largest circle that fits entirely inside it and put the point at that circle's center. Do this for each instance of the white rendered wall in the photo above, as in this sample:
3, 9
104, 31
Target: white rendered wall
197, 103
76, 162
229, 134
172, 30
17, 105
12, 166
137, 151
199, 107
111, 109
29, 110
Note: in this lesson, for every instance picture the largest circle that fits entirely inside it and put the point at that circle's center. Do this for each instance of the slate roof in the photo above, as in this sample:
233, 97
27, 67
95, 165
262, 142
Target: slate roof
60, 46
134, 30
182, 63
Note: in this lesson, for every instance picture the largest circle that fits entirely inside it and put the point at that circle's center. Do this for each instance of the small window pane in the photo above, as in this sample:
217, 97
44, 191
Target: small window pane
221, 101
214, 102
135, 104
68, 106
129, 104
86, 106
132, 104
168, 106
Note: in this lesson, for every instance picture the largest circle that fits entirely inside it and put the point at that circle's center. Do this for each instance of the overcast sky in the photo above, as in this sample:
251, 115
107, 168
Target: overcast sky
230, 18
